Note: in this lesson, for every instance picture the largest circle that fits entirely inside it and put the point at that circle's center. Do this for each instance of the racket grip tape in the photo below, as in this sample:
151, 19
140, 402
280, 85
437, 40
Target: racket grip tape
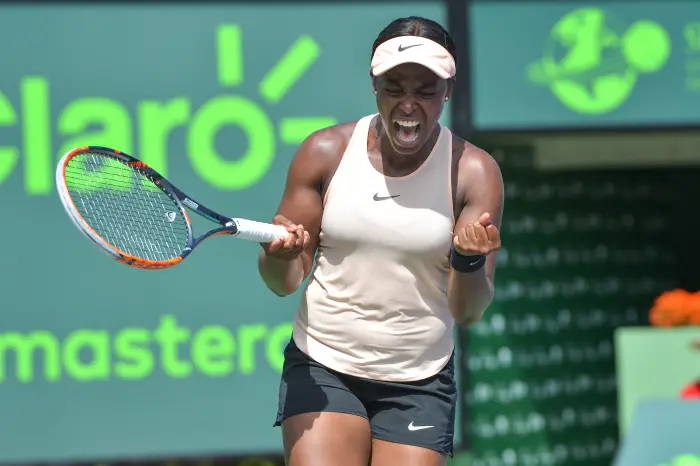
258, 231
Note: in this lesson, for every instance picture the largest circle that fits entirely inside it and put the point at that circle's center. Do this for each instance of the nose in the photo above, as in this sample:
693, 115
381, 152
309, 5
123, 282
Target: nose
407, 105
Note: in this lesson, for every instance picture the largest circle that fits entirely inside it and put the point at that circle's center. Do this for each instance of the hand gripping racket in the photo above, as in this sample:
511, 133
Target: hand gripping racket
135, 214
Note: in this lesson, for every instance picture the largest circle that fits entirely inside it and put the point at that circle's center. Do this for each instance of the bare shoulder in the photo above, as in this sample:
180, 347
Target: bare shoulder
319, 155
474, 162
327, 143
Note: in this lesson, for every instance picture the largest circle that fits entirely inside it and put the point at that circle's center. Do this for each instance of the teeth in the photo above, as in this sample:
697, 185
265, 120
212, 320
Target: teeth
407, 123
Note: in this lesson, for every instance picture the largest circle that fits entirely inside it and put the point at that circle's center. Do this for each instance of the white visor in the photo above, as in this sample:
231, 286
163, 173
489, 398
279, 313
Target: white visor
412, 49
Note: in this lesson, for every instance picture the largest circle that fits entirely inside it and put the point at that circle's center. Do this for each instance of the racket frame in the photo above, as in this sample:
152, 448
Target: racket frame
184, 202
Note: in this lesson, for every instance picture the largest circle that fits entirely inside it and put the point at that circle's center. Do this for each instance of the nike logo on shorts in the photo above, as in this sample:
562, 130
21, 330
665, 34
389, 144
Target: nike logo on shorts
411, 427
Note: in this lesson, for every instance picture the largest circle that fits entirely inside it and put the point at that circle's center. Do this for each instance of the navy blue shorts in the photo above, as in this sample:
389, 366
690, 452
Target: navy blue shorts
420, 413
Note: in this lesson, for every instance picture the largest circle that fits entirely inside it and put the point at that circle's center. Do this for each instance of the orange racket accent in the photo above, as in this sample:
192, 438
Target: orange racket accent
138, 164
146, 264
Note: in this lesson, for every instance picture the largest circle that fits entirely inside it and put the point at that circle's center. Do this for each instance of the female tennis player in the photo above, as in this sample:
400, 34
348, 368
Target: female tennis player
402, 218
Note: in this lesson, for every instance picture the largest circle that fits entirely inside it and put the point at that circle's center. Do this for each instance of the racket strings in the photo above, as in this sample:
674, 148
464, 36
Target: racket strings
128, 236
126, 208
129, 233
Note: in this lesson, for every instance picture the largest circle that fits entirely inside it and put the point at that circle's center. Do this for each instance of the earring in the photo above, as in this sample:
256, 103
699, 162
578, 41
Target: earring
446, 99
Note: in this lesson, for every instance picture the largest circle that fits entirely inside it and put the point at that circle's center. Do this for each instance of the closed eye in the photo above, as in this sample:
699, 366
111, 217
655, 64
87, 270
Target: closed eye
393, 92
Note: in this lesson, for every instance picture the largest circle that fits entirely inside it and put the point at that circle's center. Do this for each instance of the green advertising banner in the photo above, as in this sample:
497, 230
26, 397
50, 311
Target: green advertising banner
101, 361
547, 65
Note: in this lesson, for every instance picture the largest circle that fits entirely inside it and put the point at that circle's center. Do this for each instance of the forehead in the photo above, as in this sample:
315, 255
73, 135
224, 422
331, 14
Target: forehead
411, 73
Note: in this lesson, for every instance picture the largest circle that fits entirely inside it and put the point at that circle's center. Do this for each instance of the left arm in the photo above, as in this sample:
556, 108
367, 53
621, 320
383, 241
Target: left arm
480, 189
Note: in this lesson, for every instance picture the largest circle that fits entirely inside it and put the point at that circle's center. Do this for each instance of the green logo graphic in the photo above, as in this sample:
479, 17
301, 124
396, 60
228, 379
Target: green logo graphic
105, 121
90, 355
592, 61
684, 460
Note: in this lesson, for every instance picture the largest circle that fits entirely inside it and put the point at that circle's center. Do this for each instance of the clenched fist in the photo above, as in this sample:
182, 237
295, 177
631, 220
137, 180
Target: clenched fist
478, 238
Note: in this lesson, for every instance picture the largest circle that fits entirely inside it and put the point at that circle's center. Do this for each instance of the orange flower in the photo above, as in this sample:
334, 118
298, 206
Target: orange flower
694, 309
675, 308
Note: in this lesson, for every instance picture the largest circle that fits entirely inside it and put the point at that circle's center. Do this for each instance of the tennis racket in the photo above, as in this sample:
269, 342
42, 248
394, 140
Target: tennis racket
137, 216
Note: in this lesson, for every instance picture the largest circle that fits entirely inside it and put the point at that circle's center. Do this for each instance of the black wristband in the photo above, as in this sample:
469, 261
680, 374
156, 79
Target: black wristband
466, 264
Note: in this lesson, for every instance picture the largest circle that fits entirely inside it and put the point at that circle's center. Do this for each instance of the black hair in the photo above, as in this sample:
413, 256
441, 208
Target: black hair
417, 26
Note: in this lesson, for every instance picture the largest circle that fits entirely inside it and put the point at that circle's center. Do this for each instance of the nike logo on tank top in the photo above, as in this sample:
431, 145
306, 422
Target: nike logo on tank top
376, 305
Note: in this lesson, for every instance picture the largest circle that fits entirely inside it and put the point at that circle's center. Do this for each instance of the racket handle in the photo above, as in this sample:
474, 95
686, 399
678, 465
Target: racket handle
258, 231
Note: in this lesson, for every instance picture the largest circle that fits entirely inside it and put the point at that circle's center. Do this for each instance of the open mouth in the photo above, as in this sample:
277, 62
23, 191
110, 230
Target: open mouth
407, 131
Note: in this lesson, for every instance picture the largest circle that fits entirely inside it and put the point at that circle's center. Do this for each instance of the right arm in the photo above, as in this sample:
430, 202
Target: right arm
285, 263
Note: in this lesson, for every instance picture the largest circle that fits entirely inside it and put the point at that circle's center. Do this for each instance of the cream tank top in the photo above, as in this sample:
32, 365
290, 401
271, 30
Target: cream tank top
375, 305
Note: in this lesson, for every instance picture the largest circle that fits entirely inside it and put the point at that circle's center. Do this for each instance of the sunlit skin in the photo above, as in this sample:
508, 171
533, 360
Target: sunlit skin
410, 93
